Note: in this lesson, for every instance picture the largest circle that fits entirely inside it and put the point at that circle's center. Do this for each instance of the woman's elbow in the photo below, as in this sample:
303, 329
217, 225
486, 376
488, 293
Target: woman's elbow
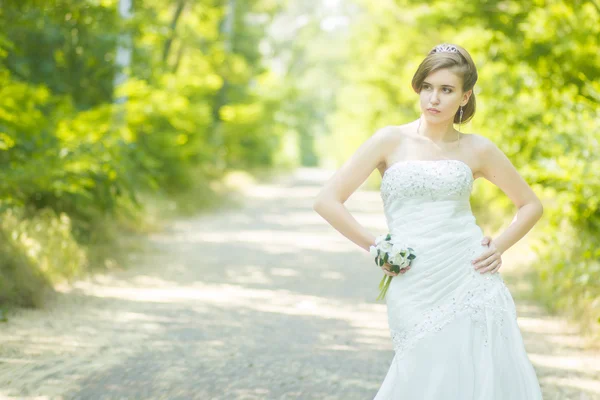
320, 204
538, 209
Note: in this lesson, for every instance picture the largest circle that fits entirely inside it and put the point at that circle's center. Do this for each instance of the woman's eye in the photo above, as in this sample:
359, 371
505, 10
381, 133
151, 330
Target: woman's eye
446, 90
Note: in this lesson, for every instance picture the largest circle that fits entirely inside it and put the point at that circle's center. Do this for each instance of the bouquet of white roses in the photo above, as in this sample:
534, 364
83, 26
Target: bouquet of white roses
398, 255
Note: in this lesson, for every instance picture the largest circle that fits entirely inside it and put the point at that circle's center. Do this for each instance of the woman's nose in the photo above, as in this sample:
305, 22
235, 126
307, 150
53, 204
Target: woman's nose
434, 98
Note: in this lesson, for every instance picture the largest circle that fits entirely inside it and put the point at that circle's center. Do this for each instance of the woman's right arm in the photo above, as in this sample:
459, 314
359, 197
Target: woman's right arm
329, 203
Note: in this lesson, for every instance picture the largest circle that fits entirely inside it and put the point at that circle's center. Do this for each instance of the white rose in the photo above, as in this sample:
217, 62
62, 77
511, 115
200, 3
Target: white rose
379, 239
392, 260
395, 258
400, 260
398, 247
373, 251
385, 246
404, 263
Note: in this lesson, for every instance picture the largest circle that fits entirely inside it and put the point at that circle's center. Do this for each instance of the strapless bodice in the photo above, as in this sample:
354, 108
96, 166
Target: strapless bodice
427, 201
426, 180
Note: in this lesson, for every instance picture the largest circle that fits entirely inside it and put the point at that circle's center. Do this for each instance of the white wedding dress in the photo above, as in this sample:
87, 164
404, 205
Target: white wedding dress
454, 330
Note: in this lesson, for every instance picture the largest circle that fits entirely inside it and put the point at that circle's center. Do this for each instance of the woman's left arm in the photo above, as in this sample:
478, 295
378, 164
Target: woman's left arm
497, 168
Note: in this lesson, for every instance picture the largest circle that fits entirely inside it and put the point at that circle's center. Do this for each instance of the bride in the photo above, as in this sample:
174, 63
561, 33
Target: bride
452, 320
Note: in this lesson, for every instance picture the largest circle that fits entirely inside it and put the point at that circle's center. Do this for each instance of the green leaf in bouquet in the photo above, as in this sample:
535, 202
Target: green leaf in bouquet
388, 237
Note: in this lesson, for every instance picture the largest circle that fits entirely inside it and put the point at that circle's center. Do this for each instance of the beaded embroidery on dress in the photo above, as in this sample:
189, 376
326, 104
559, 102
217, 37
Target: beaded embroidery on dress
454, 330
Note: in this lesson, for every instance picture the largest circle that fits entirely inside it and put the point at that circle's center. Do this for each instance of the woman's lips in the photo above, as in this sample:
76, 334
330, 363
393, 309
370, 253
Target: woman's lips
433, 111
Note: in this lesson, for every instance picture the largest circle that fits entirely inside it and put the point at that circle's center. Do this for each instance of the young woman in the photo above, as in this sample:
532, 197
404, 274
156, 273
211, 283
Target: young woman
452, 319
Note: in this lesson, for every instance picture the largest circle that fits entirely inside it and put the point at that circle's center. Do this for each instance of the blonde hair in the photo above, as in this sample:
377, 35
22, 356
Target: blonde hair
459, 63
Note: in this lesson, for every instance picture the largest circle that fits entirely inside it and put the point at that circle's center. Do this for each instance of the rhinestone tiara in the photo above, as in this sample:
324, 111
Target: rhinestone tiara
445, 48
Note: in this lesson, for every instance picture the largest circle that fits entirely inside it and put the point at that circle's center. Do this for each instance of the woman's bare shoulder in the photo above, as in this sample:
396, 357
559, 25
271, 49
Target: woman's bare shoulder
392, 134
479, 144
478, 148
391, 137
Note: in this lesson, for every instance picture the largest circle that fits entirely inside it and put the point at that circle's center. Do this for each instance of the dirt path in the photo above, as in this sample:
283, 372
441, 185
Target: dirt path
261, 302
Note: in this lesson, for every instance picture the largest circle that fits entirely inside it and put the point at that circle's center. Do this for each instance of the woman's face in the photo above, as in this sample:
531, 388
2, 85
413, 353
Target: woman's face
442, 91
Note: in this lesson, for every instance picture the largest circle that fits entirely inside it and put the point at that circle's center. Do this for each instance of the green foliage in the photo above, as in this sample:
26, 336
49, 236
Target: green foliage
78, 162
37, 251
570, 273
65, 45
21, 283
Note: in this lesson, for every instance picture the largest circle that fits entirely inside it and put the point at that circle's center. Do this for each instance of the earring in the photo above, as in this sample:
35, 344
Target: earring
459, 124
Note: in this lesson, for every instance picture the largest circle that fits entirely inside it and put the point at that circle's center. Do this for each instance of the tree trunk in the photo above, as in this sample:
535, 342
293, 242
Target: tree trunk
123, 61
123, 58
173, 27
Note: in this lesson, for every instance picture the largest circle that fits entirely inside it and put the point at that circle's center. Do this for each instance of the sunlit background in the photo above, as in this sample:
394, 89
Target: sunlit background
160, 158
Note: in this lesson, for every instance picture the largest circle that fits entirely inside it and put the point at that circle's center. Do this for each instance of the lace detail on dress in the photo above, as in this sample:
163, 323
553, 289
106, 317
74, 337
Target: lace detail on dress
487, 296
434, 179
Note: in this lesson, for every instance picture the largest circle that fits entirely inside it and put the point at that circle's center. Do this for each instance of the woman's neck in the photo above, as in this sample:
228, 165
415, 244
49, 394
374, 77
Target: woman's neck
437, 133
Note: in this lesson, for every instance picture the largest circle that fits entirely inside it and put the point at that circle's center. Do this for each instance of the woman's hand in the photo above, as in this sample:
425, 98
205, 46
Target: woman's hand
386, 270
490, 260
